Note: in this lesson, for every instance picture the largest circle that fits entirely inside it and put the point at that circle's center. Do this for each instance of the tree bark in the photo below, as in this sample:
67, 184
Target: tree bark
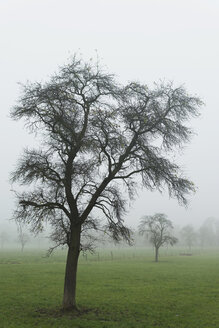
156, 254
69, 298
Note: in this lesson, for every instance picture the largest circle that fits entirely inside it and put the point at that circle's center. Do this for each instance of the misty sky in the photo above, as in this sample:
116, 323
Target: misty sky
143, 40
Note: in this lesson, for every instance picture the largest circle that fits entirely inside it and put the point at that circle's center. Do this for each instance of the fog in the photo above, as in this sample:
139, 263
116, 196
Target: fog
189, 239
136, 40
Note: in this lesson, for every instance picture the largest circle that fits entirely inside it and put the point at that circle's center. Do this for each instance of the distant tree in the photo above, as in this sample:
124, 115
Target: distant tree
202, 236
208, 233
189, 236
96, 137
23, 237
158, 229
217, 232
3, 238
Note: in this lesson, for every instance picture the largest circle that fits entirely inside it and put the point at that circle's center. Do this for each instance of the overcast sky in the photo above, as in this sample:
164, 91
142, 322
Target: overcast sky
144, 40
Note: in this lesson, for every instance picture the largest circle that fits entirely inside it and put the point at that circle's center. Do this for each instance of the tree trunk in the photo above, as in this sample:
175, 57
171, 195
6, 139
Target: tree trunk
69, 298
156, 254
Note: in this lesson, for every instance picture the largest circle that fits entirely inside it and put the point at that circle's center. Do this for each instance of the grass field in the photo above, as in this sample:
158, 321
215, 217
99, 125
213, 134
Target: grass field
122, 289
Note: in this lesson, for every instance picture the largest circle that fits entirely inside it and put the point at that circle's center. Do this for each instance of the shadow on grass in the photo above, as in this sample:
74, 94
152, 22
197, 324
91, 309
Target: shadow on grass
60, 312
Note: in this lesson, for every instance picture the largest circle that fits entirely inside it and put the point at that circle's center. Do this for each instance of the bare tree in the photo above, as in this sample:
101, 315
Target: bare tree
96, 136
23, 237
189, 236
158, 229
208, 233
3, 238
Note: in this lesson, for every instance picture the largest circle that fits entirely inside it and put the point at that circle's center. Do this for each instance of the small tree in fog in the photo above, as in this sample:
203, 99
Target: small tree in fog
205, 236
23, 237
3, 238
96, 137
158, 229
208, 233
189, 236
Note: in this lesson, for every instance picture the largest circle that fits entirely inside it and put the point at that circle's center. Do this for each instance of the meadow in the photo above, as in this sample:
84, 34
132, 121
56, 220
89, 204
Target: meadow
116, 288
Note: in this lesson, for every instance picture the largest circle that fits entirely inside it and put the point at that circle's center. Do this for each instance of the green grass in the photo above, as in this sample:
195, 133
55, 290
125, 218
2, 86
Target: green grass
129, 291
